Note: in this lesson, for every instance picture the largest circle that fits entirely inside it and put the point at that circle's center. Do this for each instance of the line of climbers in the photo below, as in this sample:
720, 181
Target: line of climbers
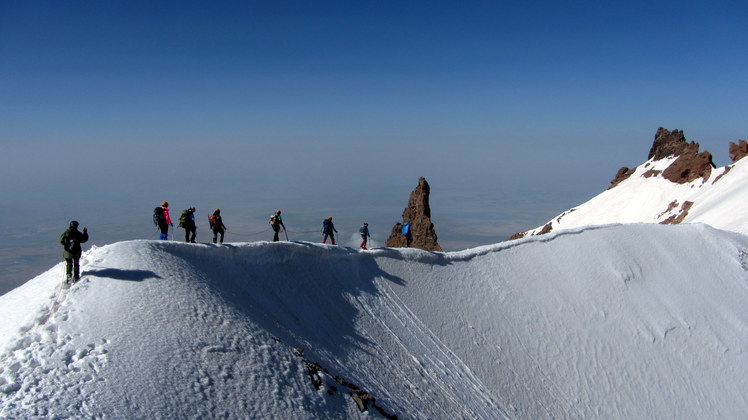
162, 219
72, 238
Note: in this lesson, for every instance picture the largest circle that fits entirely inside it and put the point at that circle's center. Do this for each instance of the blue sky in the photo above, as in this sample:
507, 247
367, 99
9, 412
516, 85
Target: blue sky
514, 112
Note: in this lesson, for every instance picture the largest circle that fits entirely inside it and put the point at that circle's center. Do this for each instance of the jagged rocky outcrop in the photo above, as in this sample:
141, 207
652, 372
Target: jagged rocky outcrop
418, 214
672, 158
670, 143
688, 166
738, 151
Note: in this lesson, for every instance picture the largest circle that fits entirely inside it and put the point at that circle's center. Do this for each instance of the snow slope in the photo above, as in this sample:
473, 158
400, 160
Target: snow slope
642, 198
621, 321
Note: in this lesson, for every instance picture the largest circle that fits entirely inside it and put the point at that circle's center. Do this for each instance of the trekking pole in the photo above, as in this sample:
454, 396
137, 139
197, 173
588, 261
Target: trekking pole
284, 231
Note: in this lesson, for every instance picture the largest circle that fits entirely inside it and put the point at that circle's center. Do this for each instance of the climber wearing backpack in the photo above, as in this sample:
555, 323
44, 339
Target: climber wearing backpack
162, 220
71, 241
364, 231
276, 222
216, 225
328, 229
406, 231
187, 221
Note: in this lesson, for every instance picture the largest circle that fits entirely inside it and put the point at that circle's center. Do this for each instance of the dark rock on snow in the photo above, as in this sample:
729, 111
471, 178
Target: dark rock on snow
621, 176
738, 151
418, 213
670, 143
519, 235
689, 165
681, 216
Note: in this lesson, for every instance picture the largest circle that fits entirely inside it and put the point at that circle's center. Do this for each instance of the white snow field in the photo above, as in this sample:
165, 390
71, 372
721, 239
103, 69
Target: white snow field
719, 201
639, 321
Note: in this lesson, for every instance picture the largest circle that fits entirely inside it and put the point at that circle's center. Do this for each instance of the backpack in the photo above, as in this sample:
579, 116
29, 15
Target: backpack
406, 228
325, 226
158, 216
362, 231
183, 218
68, 241
212, 221
272, 220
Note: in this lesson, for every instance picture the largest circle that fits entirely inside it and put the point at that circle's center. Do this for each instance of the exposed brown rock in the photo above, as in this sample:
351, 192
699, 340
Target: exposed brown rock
418, 213
738, 151
546, 229
673, 204
621, 176
689, 167
313, 369
670, 143
363, 399
650, 173
517, 236
727, 169
677, 218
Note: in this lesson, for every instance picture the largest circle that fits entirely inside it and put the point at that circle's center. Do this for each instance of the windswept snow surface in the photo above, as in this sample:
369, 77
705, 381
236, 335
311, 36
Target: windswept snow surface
623, 321
647, 197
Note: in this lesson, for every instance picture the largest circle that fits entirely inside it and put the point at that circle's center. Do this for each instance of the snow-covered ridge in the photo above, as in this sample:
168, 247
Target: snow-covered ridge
647, 197
621, 321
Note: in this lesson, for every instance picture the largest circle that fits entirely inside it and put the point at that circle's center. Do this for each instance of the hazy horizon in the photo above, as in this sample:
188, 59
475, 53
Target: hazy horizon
512, 112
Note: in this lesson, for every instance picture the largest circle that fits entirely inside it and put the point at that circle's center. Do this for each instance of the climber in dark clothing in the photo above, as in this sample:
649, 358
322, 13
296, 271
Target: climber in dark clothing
71, 241
187, 221
328, 229
364, 231
276, 222
216, 225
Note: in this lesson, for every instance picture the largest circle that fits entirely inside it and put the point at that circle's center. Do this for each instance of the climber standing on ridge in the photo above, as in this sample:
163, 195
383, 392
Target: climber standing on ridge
162, 220
328, 229
364, 231
71, 241
216, 225
276, 222
187, 221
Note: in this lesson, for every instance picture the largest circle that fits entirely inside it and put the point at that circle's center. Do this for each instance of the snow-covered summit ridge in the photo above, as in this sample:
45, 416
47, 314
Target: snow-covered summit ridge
646, 195
595, 322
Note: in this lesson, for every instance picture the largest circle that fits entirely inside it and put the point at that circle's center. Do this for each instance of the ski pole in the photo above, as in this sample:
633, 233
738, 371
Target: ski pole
284, 231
